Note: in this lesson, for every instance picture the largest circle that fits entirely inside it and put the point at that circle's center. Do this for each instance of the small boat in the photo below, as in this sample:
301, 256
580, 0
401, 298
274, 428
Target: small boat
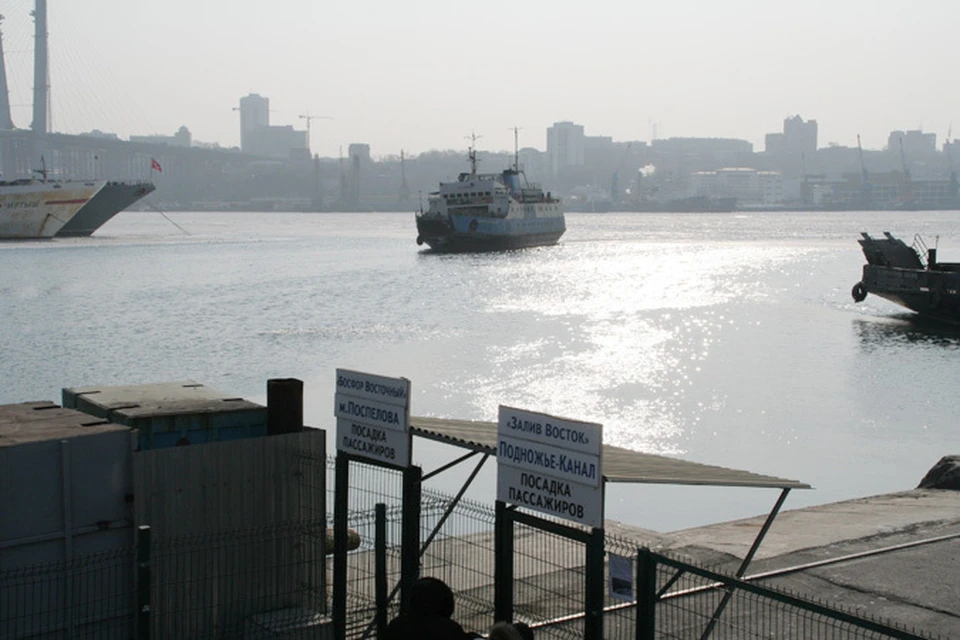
909, 275
490, 212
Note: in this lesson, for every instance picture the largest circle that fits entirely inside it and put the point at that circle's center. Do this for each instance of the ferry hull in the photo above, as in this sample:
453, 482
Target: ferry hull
32, 210
108, 202
445, 236
934, 294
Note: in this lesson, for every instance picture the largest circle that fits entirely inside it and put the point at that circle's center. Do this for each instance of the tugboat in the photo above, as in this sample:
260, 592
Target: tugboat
490, 212
909, 276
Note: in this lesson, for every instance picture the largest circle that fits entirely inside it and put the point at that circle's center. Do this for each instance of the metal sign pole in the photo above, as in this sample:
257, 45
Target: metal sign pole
410, 535
340, 546
503, 563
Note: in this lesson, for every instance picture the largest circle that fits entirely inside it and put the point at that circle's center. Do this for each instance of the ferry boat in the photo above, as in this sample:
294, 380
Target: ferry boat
490, 212
31, 209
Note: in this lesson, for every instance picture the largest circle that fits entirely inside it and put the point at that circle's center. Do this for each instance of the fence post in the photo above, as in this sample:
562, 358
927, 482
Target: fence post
340, 546
380, 567
410, 534
284, 406
646, 594
143, 582
593, 605
502, 563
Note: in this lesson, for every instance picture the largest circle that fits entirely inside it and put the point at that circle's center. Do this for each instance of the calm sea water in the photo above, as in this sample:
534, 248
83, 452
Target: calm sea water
726, 339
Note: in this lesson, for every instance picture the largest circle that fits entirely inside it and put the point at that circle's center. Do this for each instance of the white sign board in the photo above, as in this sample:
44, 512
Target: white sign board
621, 577
551, 465
373, 416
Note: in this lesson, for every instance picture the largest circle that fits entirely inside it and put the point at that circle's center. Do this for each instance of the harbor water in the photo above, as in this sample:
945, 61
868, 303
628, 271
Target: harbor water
728, 339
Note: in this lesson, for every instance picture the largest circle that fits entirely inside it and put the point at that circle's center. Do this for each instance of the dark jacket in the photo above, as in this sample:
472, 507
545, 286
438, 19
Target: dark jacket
419, 627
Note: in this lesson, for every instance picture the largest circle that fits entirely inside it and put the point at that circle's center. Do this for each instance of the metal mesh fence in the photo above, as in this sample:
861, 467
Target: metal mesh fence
239, 584
692, 601
90, 596
697, 602
269, 582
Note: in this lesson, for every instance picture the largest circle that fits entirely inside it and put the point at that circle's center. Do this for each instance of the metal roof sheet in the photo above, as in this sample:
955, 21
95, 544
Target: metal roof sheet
619, 465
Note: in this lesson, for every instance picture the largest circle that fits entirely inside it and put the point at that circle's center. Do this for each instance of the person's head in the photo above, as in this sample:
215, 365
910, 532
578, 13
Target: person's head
431, 597
504, 631
526, 633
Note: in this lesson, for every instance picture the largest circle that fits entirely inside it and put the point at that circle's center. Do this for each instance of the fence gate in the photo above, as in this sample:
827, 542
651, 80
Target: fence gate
562, 581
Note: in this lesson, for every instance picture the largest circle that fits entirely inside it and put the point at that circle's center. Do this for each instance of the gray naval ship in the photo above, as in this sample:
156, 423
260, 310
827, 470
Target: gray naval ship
114, 197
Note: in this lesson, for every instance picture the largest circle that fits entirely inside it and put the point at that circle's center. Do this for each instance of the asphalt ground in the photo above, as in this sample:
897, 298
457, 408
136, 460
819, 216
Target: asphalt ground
892, 557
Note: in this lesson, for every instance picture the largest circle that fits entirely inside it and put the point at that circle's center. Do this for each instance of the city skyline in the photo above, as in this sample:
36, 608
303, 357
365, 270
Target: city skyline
423, 77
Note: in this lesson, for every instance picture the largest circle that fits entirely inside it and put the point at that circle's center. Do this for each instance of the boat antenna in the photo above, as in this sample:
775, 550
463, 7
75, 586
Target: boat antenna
43, 168
516, 148
472, 153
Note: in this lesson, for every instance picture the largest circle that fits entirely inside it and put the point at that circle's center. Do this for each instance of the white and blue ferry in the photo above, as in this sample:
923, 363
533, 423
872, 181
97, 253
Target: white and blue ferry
490, 212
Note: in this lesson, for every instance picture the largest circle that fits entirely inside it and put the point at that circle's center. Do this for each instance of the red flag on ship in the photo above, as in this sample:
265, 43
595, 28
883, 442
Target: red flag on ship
155, 165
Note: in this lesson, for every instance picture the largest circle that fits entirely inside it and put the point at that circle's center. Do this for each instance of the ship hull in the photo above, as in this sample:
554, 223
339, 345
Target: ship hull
931, 293
460, 234
32, 210
108, 202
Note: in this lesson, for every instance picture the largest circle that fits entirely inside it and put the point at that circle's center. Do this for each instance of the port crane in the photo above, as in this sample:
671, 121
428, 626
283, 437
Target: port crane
309, 118
615, 191
948, 151
865, 188
906, 198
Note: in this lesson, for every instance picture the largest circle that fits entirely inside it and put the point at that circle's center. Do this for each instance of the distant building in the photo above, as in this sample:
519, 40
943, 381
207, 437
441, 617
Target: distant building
565, 146
915, 143
278, 142
775, 143
701, 146
254, 114
800, 136
182, 138
259, 137
359, 152
105, 135
747, 185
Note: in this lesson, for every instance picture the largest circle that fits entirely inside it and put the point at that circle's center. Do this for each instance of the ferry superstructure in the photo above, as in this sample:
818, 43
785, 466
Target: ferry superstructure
490, 212
31, 209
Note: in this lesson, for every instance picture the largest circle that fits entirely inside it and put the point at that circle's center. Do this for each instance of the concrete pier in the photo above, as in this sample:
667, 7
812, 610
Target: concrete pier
894, 556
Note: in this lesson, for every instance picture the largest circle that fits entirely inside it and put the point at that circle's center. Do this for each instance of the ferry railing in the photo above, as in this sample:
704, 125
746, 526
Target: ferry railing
921, 248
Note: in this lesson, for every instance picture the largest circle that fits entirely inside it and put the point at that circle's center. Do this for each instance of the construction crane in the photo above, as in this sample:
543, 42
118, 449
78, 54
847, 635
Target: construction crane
404, 186
865, 188
948, 151
615, 180
906, 198
308, 118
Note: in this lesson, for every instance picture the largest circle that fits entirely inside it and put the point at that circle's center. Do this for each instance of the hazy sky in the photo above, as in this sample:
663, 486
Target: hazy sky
422, 74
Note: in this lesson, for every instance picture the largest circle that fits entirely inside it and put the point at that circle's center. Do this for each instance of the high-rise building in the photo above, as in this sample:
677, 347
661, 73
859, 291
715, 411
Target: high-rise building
254, 114
259, 137
800, 136
916, 143
565, 146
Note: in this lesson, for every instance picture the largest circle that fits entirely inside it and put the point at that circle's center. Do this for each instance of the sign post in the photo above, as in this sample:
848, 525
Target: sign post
554, 466
373, 417
551, 465
373, 425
